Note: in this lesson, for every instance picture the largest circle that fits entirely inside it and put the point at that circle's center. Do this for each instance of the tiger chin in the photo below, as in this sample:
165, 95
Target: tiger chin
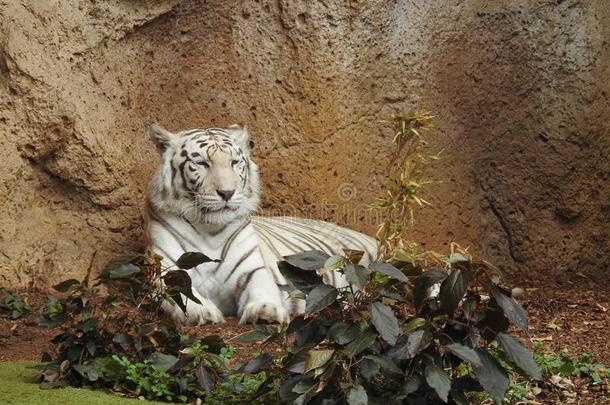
201, 198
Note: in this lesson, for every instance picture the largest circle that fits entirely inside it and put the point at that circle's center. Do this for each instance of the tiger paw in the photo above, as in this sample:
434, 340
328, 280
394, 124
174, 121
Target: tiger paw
196, 314
267, 311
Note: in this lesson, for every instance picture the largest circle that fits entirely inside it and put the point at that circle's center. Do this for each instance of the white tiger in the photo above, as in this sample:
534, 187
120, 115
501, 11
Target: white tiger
201, 199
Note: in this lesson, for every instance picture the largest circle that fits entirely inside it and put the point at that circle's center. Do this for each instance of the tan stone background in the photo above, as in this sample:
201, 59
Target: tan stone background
520, 89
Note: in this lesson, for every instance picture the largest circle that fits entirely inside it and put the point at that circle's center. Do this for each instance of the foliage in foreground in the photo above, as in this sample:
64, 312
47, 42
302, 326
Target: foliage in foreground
122, 342
368, 345
388, 340
413, 327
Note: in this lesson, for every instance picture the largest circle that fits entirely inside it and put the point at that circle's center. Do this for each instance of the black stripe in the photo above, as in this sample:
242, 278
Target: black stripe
229, 242
277, 254
290, 245
239, 262
316, 231
218, 231
243, 284
342, 236
192, 131
173, 231
170, 230
274, 251
182, 175
319, 244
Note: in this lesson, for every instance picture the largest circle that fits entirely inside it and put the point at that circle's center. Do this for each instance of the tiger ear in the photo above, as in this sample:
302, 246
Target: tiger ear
241, 136
160, 136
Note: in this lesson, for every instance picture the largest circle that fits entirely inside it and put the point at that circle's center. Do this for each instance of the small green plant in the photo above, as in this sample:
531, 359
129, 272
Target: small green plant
410, 156
148, 380
242, 389
380, 340
565, 365
226, 353
13, 305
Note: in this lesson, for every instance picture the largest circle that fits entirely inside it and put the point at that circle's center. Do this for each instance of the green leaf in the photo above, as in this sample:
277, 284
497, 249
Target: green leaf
163, 361
122, 266
438, 380
357, 396
519, 355
423, 282
87, 325
66, 285
317, 358
123, 270
295, 362
91, 346
189, 260
385, 321
453, 290
301, 280
88, 371
320, 297
414, 323
417, 341
493, 321
412, 384
464, 352
388, 270
356, 274
250, 337
457, 258
491, 376
334, 263
511, 308
205, 378
258, 364
362, 342
180, 282
214, 343
384, 363
369, 368
343, 332
312, 260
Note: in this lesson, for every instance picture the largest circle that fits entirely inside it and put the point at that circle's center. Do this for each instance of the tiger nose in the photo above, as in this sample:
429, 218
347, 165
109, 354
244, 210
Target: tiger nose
226, 194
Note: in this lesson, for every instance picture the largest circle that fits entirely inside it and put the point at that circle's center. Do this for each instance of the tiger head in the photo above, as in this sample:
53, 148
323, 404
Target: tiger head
206, 175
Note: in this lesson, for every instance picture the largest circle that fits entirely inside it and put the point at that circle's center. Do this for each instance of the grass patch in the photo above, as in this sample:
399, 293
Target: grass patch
19, 385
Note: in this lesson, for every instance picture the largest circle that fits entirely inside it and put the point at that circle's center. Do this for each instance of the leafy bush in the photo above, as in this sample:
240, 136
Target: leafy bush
121, 340
384, 342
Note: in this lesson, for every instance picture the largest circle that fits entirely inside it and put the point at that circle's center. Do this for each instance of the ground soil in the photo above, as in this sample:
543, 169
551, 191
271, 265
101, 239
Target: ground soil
573, 314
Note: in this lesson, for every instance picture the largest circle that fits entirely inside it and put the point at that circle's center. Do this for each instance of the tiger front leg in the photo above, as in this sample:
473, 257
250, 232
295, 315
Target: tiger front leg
196, 314
259, 298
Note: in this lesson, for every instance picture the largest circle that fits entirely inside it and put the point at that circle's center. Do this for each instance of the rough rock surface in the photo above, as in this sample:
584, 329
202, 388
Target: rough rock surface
520, 89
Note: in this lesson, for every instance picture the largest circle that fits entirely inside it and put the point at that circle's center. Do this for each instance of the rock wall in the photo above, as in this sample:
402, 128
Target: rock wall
520, 89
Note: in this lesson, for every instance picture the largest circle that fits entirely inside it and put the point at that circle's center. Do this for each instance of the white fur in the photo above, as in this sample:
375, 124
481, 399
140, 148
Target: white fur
188, 218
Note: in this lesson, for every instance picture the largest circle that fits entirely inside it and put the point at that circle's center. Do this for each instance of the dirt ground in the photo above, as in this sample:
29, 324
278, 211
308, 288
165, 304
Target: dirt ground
564, 313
